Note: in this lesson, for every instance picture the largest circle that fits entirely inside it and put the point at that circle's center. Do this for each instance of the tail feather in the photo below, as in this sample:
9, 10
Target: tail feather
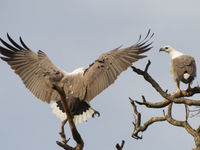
187, 78
186, 75
81, 113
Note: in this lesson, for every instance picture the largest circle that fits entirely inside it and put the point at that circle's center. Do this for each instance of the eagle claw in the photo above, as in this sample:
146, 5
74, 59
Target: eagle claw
95, 113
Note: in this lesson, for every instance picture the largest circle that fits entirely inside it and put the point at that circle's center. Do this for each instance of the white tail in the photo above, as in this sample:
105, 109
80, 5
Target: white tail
186, 75
77, 118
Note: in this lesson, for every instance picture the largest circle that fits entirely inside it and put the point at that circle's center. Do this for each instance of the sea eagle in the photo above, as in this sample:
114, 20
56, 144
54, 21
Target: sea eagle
183, 67
39, 75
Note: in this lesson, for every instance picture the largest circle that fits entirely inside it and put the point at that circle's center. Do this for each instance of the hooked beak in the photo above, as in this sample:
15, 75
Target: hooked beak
162, 50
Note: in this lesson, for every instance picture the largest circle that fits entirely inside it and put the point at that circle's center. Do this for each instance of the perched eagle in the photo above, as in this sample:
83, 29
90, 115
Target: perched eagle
39, 75
183, 67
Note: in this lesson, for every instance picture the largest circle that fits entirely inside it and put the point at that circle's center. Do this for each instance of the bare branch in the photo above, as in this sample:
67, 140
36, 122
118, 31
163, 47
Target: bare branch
147, 66
75, 134
186, 112
62, 133
185, 125
178, 98
162, 104
171, 120
186, 101
137, 122
148, 78
120, 147
65, 146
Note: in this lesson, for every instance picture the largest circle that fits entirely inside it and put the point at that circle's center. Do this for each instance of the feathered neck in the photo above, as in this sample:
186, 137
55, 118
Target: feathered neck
174, 53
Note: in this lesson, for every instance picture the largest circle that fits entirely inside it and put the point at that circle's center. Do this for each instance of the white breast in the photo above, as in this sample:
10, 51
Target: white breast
175, 54
77, 71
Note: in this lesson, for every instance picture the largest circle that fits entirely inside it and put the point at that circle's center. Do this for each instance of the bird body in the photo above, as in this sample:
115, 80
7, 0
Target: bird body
183, 67
39, 75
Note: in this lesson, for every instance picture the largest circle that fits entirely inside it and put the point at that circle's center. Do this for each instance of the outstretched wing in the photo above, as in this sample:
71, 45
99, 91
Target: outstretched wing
36, 70
105, 70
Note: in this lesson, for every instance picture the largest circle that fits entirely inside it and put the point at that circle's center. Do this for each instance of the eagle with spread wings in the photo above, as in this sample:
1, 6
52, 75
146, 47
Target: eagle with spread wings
39, 74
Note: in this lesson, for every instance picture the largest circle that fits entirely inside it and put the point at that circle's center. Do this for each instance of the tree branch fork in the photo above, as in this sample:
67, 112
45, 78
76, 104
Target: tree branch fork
75, 133
169, 100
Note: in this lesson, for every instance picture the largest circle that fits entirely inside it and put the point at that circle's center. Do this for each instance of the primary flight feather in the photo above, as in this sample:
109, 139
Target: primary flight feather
39, 75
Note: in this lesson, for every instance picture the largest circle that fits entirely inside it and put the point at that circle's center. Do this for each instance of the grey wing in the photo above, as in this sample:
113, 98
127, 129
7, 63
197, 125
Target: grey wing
182, 65
105, 70
36, 70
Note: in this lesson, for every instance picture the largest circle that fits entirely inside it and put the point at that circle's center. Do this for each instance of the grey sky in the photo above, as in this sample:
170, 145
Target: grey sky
73, 34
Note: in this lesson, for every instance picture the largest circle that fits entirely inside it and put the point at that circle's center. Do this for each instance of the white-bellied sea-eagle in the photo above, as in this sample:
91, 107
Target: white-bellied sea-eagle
39, 75
183, 67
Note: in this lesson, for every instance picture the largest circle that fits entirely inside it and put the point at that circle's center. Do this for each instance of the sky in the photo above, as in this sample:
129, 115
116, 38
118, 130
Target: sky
73, 33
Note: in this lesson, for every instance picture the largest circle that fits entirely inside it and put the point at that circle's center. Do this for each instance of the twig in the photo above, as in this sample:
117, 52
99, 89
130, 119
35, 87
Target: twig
64, 146
120, 147
186, 112
136, 113
62, 133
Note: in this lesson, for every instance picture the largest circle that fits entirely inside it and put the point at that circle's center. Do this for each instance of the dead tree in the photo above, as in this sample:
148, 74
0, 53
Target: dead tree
169, 100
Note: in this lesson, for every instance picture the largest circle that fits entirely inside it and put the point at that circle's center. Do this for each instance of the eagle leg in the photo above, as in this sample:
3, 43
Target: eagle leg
189, 87
178, 87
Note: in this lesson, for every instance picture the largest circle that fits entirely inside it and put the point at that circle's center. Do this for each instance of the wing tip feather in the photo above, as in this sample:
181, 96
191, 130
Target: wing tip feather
23, 44
145, 44
15, 46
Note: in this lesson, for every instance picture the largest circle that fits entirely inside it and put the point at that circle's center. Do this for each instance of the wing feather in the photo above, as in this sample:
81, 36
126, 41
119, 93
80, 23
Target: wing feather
105, 70
35, 70
183, 64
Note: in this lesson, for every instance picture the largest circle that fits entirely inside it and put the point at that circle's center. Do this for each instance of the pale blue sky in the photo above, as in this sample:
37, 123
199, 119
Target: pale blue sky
73, 33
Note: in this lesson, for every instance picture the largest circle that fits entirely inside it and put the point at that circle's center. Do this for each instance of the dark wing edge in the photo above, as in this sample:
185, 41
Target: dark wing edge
10, 50
30, 67
145, 44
